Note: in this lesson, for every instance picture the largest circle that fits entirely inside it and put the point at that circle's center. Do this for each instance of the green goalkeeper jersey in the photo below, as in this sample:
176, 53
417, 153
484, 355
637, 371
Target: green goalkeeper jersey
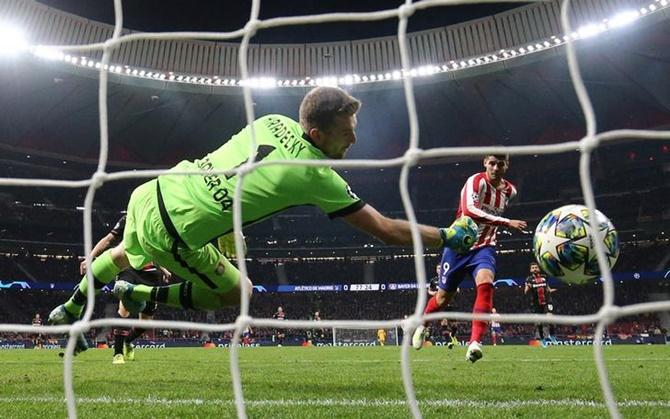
201, 206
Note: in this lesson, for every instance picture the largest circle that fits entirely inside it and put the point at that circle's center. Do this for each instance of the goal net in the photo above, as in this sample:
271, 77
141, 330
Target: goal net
343, 332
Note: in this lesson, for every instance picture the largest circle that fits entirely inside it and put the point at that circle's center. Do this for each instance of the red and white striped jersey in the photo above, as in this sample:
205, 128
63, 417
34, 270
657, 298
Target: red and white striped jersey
485, 204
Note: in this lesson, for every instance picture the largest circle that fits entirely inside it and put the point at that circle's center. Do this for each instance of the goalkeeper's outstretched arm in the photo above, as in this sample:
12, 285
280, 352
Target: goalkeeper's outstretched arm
391, 231
397, 232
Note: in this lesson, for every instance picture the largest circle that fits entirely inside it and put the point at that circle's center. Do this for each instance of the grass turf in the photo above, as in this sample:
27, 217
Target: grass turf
295, 382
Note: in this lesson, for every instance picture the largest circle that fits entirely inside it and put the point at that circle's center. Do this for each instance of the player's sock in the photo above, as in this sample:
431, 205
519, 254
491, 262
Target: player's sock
104, 270
495, 339
184, 295
432, 306
135, 333
483, 304
119, 337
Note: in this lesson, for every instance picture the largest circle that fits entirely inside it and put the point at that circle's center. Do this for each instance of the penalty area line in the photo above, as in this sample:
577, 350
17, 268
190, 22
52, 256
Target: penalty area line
476, 404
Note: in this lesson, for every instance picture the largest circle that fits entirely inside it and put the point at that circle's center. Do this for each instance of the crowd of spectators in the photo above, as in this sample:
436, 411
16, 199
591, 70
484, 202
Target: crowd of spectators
20, 306
342, 270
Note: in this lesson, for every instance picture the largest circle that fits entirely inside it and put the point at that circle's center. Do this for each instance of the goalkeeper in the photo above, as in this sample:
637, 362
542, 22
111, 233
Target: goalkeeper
172, 219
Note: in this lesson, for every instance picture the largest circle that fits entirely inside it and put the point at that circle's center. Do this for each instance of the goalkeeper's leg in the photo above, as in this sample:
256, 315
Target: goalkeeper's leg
210, 281
186, 295
104, 269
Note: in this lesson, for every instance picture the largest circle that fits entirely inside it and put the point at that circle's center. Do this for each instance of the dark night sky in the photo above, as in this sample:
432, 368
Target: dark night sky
223, 16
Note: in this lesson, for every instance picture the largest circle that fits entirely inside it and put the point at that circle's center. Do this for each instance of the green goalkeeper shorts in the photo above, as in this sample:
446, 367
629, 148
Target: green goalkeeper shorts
146, 240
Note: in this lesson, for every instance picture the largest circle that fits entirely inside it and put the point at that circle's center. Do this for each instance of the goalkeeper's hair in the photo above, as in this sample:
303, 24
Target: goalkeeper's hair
322, 105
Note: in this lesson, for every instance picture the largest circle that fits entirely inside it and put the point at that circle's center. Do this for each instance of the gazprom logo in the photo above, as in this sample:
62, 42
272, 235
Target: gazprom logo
260, 288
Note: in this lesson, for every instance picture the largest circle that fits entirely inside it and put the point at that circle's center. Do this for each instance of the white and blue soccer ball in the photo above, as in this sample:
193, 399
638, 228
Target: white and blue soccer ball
564, 243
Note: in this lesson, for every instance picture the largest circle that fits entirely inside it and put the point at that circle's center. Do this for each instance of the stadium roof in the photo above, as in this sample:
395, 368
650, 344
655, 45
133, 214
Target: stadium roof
213, 15
48, 108
52, 108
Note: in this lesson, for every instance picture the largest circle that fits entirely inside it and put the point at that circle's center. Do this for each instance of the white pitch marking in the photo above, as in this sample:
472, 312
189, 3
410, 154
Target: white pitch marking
475, 404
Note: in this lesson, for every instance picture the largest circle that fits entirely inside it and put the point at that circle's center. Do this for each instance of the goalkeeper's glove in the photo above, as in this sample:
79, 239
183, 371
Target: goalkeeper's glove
460, 236
226, 245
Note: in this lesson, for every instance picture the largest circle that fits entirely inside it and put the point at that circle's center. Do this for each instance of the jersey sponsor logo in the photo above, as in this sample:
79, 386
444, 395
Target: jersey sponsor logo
213, 181
214, 185
492, 210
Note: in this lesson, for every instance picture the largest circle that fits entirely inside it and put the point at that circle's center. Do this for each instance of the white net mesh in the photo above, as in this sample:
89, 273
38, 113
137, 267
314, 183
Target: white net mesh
607, 314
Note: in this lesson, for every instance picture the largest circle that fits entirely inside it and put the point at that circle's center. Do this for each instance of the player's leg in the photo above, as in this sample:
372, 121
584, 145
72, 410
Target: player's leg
450, 276
106, 266
136, 332
483, 261
454, 335
549, 310
211, 281
120, 334
437, 302
539, 327
450, 343
104, 269
494, 337
278, 337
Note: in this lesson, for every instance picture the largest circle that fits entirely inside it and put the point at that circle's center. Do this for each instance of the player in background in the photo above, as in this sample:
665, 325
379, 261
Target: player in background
450, 332
318, 334
172, 219
150, 274
432, 290
38, 340
484, 198
449, 328
541, 301
247, 336
432, 282
496, 328
381, 337
280, 333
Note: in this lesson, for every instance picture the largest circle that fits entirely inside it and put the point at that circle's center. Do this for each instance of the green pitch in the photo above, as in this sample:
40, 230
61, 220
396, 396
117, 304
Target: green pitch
293, 382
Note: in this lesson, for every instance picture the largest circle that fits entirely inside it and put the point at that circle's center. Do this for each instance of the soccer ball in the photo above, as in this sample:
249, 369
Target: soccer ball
564, 247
